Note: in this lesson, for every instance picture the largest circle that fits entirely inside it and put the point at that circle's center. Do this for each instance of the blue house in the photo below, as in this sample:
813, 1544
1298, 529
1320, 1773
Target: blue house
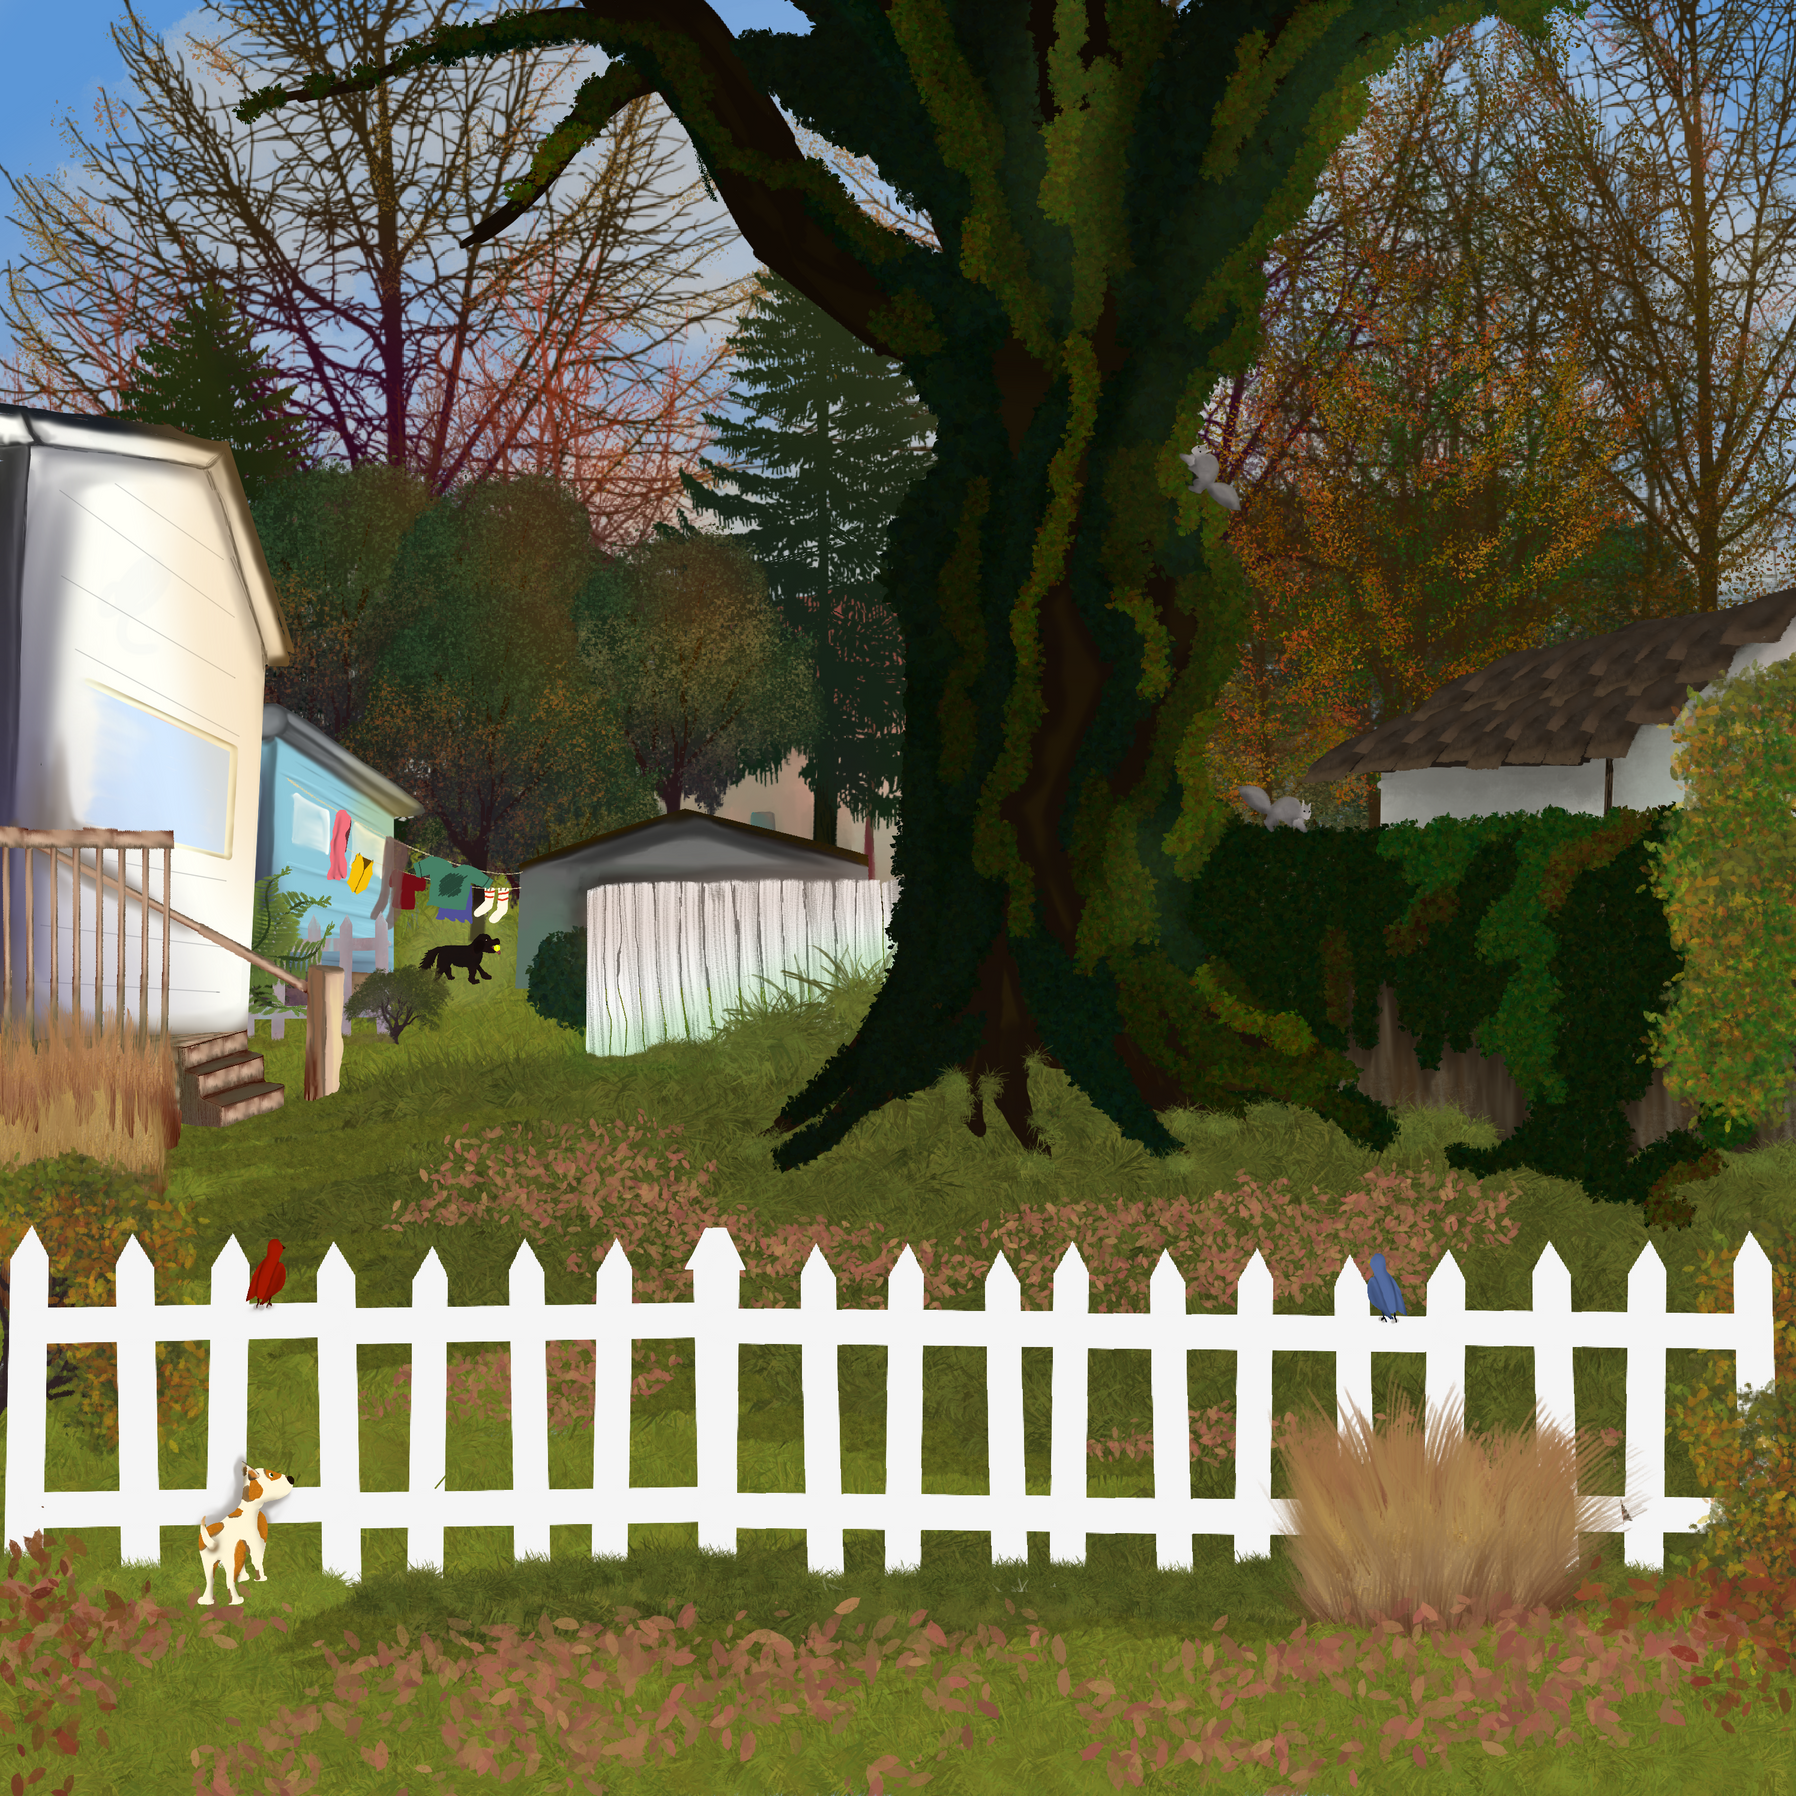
316, 797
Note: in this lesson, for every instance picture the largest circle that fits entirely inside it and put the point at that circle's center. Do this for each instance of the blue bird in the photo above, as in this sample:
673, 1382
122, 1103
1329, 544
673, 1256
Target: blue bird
1387, 1299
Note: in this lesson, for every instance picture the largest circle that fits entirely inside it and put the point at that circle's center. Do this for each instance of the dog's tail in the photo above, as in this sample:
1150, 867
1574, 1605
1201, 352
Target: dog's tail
204, 1542
430, 959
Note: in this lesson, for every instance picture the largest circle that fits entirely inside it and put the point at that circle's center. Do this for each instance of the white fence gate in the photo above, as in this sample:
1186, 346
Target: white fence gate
344, 944
717, 1323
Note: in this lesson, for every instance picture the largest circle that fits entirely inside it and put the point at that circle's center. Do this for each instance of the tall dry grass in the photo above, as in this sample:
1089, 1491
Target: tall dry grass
1391, 1520
73, 1089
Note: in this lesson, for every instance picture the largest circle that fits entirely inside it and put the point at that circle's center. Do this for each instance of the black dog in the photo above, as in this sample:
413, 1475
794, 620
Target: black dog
446, 959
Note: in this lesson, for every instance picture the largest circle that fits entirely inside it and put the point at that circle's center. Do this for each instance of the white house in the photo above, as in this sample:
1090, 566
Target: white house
1582, 725
136, 618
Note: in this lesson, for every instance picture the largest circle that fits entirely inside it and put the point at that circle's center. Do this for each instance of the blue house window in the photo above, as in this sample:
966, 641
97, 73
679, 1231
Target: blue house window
312, 827
761, 819
150, 771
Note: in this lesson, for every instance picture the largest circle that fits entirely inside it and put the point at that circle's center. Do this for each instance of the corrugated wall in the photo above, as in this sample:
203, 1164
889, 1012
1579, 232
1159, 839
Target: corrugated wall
665, 957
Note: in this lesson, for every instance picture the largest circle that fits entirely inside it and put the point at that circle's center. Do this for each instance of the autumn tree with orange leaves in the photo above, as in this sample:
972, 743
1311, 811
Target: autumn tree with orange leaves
1420, 189
1445, 498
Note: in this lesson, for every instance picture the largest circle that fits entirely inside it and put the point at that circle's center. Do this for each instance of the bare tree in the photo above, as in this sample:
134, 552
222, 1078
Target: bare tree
1668, 244
359, 190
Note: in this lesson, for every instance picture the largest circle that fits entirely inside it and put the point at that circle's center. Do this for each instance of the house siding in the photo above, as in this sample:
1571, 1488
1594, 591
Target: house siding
305, 779
135, 623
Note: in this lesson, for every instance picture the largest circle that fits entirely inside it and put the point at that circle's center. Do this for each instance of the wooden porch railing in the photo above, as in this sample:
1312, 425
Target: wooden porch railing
323, 987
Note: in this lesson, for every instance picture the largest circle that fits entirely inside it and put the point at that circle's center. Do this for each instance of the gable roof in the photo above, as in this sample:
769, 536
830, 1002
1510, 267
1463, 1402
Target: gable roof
684, 823
281, 725
1566, 704
163, 442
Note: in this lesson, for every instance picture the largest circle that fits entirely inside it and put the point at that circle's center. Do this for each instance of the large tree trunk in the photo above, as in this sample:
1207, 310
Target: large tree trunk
1062, 344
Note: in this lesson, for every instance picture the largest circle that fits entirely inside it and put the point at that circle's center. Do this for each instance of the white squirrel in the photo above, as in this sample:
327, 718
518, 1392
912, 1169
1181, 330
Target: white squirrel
1288, 810
1204, 469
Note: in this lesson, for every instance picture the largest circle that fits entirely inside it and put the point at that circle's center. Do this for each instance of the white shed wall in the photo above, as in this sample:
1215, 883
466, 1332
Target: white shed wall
1642, 777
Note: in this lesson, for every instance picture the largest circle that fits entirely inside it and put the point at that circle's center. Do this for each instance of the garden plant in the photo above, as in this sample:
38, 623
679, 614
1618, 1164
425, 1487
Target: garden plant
1415, 1635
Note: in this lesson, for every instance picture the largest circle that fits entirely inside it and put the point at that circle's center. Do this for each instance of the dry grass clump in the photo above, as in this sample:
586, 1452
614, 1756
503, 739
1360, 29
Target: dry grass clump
72, 1090
1394, 1520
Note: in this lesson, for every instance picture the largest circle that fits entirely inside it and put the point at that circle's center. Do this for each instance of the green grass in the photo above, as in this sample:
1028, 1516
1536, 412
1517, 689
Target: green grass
333, 1171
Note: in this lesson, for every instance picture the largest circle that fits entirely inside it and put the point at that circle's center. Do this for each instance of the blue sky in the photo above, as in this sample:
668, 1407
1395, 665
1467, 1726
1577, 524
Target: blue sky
67, 54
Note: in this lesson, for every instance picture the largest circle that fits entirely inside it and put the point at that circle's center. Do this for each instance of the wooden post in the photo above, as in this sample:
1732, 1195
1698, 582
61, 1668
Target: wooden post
324, 1030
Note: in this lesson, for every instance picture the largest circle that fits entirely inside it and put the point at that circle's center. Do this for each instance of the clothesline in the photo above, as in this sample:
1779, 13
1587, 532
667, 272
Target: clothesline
459, 892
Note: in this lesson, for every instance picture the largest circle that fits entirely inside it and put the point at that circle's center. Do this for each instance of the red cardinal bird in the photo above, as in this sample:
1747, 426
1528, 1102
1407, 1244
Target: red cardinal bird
268, 1277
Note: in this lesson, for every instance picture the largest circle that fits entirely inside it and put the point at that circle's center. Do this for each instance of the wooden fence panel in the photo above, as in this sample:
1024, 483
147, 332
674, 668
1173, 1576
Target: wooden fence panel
1480, 1085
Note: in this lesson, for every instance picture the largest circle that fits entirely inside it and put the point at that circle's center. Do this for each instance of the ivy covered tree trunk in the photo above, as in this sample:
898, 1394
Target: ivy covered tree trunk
1104, 181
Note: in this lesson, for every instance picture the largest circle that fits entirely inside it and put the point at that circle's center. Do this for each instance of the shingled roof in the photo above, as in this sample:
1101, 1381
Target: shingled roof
1567, 704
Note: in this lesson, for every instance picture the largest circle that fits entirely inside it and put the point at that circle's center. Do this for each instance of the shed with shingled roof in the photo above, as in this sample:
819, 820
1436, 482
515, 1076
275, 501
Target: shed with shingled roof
1582, 725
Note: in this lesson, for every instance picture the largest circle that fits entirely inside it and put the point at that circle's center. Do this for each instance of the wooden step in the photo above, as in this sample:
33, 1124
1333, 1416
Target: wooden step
191, 1050
221, 1080
232, 1105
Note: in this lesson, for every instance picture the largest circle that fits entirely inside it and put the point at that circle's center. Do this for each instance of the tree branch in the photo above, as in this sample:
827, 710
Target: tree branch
446, 46
683, 52
600, 99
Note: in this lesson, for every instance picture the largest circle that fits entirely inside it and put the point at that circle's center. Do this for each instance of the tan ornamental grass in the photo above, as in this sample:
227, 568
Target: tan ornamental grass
1392, 1520
70, 1091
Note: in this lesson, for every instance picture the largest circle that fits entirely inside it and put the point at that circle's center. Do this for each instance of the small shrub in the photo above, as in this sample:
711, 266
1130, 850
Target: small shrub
404, 996
1744, 1453
557, 979
84, 1212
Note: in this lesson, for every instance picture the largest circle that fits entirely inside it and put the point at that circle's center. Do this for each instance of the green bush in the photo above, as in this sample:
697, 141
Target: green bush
276, 938
84, 1212
400, 998
557, 979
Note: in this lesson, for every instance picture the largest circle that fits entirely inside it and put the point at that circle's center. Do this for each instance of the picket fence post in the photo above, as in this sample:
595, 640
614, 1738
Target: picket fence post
1441, 1330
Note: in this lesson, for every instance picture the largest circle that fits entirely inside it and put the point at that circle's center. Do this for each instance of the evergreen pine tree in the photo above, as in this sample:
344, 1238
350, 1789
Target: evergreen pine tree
844, 443
207, 379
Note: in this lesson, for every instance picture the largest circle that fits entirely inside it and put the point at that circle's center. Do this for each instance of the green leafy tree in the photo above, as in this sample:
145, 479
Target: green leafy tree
1104, 181
709, 688
500, 733
844, 435
330, 536
207, 379
484, 582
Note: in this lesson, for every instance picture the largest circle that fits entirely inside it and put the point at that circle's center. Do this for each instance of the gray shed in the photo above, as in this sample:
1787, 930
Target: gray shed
658, 857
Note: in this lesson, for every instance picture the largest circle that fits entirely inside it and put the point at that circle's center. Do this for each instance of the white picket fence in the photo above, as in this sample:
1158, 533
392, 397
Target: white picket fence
717, 1324
667, 958
344, 943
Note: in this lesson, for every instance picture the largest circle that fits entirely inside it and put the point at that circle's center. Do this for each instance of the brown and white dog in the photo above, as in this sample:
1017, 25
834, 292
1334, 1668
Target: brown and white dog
242, 1536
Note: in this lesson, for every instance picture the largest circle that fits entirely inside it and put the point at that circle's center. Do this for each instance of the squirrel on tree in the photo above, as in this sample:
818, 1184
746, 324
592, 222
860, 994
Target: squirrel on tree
1290, 811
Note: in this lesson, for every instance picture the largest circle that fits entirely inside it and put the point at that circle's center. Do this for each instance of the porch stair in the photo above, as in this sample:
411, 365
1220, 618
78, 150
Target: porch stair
221, 1080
